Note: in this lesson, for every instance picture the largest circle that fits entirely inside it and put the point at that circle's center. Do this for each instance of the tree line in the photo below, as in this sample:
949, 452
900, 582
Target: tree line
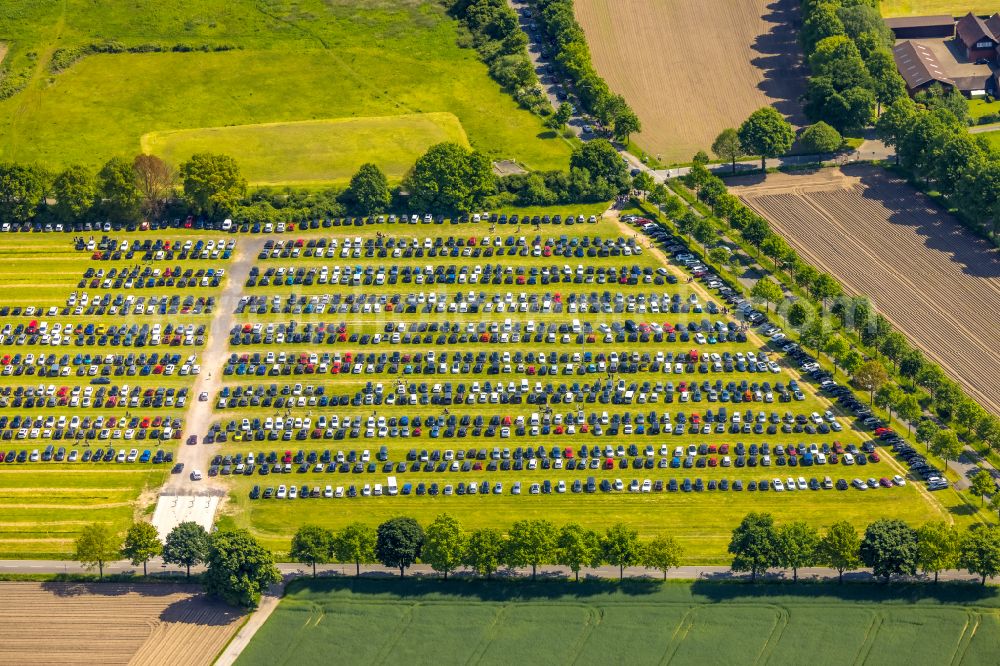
849, 51
572, 58
494, 31
448, 178
888, 547
238, 569
860, 341
445, 546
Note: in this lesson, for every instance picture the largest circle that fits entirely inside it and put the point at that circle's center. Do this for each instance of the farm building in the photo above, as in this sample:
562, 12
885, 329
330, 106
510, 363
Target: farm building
922, 27
919, 67
980, 37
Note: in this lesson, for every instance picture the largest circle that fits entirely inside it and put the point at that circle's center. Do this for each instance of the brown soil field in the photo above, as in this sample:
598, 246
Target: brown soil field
73, 623
934, 281
691, 69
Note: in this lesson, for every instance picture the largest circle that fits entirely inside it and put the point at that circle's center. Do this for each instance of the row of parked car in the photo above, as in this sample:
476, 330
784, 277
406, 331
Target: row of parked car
99, 366
391, 488
161, 249
54, 453
473, 302
395, 246
92, 397
43, 333
476, 393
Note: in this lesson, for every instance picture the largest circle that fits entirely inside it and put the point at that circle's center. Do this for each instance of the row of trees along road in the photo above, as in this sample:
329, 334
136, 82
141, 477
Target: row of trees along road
444, 545
888, 547
238, 568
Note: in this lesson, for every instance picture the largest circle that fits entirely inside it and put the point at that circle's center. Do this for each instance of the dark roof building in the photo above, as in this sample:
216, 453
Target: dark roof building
917, 27
977, 36
918, 66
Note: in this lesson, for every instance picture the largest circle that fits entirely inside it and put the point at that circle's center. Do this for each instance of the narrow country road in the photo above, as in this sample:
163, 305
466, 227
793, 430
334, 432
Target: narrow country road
292, 570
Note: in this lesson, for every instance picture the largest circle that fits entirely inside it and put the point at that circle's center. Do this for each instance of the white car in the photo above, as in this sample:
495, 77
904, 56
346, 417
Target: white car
196, 475
898, 480
777, 485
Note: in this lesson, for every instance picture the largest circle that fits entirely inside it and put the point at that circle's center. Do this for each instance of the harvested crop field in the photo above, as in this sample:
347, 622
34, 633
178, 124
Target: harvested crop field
935, 282
74, 623
691, 69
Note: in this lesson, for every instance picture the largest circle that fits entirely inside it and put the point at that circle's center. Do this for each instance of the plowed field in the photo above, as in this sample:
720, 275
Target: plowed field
691, 69
935, 282
67, 623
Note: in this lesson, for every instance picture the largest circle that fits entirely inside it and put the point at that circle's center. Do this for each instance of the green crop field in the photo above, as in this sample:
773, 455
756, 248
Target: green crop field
892, 8
291, 61
634, 622
314, 151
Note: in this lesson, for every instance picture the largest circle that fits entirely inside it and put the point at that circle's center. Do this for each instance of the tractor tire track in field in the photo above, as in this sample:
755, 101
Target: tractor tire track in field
935, 283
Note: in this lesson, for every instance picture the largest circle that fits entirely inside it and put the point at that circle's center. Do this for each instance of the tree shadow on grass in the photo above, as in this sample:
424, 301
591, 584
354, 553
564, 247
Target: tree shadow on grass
960, 593
497, 590
548, 134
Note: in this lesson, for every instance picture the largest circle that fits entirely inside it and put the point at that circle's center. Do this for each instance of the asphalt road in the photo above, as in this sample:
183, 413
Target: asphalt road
292, 570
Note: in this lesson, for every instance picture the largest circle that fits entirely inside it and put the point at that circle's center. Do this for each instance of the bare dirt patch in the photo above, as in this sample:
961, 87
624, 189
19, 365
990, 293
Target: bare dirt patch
691, 69
3, 52
935, 282
67, 623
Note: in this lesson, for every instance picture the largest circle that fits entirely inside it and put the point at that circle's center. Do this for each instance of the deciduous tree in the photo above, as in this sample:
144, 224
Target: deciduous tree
870, 376
577, 547
96, 546
311, 545
889, 547
768, 291
531, 543
213, 184
621, 547
727, 146
979, 552
399, 543
155, 180
485, 551
663, 553
937, 547
238, 568
142, 543
186, 545
798, 546
355, 543
444, 544
369, 192
754, 544
74, 190
840, 548
766, 133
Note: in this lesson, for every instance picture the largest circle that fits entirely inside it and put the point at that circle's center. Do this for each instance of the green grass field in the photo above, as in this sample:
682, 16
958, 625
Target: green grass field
297, 61
44, 507
992, 137
314, 152
635, 622
979, 107
891, 8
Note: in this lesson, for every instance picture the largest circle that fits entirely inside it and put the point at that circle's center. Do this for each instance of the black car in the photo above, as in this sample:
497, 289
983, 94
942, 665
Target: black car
255, 493
178, 468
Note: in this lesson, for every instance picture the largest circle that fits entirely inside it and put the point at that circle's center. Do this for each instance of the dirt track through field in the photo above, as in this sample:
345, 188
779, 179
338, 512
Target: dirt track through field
691, 69
935, 282
68, 623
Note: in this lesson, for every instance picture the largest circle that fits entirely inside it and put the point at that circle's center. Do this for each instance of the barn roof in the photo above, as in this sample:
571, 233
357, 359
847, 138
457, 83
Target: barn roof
918, 65
971, 29
993, 23
920, 21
